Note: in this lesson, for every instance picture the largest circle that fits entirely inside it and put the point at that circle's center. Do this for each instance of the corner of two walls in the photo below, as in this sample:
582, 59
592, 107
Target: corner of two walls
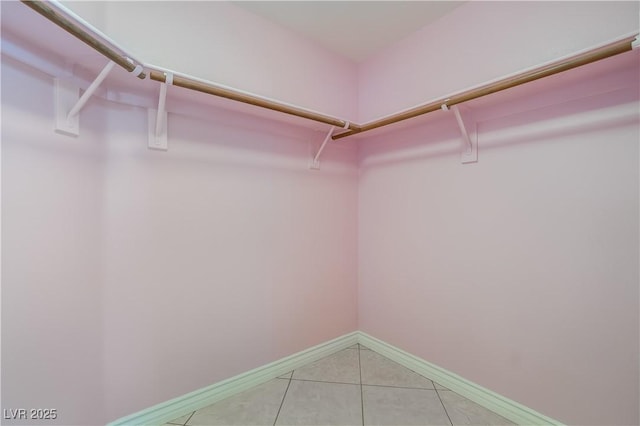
223, 254
227, 248
151, 274
133, 276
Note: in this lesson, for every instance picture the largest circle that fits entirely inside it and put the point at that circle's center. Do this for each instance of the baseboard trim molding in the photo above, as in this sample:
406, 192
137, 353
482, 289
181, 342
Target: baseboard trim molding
185, 404
161, 413
499, 404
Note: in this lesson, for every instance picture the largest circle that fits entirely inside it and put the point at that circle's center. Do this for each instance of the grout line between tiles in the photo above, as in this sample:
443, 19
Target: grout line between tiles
365, 384
361, 392
445, 408
282, 402
324, 381
185, 423
397, 387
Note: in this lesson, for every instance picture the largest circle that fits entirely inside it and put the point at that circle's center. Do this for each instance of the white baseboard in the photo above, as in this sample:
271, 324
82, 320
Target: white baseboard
505, 407
177, 407
182, 405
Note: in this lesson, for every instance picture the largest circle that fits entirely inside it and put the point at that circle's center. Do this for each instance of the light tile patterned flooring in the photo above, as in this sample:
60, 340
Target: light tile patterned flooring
355, 386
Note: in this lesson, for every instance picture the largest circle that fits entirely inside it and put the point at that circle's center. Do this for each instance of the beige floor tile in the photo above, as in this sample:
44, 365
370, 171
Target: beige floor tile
398, 406
327, 392
378, 370
465, 412
314, 403
341, 367
256, 406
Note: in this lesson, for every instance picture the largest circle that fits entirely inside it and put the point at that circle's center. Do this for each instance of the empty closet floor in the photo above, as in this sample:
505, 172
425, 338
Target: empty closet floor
343, 389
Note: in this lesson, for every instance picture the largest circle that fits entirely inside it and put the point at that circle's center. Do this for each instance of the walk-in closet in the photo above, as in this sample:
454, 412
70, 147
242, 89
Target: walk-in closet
320, 212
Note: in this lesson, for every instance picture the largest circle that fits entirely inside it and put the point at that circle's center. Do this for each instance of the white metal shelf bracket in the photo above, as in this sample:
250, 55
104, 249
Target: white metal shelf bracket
314, 164
469, 132
158, 118
69, 103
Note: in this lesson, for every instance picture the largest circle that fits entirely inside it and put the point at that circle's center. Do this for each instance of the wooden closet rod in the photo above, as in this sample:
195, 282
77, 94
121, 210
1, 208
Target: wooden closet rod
43, 9
189, 83
497, 86
588, 57
235, 95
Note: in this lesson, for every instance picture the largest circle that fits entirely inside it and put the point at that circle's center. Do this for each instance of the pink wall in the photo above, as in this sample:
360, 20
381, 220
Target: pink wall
223, 254
480, 41
134, 276
221, 42
519, 272
52, 274
144, 275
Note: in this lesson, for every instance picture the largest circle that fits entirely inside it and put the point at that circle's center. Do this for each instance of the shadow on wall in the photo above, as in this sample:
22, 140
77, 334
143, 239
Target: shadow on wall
440, 136
600, 95
196, 144
199, 135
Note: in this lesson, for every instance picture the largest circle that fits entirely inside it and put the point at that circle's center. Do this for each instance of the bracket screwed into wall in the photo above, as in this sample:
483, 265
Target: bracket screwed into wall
469, 131
157, 119
69, 103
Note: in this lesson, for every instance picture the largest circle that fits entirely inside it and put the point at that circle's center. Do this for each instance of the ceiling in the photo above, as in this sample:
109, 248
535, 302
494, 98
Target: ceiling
354, 29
